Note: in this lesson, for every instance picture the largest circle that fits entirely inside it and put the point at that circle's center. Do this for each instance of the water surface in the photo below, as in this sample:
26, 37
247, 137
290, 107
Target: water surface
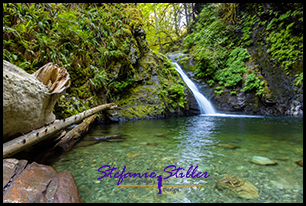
190, 141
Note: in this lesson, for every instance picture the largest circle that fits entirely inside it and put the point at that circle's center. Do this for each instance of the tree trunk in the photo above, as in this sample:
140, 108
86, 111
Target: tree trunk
157, 33
74, 135
186, 14
18, 144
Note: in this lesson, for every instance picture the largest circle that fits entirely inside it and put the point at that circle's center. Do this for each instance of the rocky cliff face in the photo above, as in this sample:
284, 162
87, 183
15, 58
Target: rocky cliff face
269, 78
284, 99
154, 92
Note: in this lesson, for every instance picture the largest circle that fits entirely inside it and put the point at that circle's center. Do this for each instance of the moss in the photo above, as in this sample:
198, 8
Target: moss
255, 102
135, 17
140, 101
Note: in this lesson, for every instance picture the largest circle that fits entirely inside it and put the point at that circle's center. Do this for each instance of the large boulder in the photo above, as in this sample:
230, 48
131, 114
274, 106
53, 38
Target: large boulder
37, 183
28, 100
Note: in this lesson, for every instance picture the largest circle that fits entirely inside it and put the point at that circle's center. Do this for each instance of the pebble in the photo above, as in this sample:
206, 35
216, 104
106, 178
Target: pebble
160, 135
228, 146
152, 143
262, 160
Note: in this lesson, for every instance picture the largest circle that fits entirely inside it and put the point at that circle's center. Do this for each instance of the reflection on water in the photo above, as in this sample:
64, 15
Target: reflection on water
152, 145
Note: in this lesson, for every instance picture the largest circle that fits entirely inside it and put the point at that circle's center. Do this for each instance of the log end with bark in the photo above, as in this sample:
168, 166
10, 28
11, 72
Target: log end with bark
28, 99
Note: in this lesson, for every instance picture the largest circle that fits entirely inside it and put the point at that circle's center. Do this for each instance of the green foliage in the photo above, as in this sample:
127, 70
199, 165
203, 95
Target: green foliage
233, 93
218, 60
299, 79
210, 82
252, 81
100, 79
176, 92
283, 46
119, 86
163, 24
219, 90
283, 32
172, 91
221, 55
83, 38
231, 75
228, 12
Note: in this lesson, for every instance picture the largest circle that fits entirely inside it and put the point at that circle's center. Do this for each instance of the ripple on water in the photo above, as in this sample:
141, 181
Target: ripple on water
191, 141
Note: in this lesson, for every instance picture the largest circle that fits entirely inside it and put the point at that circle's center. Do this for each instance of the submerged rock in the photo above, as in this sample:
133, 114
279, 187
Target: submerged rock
37, 183
262, 160
282, 158
86, 143
152, 143
133, 154
114, 140
300, 163
112, 136
159, 135
237, 187
228, 146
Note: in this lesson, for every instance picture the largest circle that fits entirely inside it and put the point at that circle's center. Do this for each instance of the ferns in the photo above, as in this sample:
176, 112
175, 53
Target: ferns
84, 38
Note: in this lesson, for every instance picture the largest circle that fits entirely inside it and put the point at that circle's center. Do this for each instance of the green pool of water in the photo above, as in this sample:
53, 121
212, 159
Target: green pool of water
191, 141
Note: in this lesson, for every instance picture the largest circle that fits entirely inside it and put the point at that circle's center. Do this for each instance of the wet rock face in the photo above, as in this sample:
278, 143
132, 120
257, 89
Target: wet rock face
284, 95
296, 108
37, 183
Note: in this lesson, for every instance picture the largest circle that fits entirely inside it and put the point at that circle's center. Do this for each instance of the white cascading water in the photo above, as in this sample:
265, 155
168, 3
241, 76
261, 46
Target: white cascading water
205, 106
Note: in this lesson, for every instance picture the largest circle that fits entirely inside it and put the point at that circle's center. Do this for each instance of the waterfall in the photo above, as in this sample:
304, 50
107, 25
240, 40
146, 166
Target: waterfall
205, 106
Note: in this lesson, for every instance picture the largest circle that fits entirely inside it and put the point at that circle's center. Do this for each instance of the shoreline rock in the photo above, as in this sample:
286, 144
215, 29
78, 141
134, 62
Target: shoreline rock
37, 183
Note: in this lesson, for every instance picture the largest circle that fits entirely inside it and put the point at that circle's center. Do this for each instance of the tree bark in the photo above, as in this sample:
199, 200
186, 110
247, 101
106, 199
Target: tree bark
74, 135
20, 143
157, 32
186, 14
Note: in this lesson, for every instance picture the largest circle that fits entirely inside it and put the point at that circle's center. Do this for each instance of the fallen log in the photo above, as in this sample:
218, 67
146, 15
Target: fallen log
20, 143
28, 99
113, 136
74, 135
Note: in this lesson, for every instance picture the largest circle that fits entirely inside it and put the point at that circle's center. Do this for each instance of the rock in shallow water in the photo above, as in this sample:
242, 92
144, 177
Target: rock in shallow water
159, 135
300, 163
262, 160
228, 146
237, 187
132, 154
152, 143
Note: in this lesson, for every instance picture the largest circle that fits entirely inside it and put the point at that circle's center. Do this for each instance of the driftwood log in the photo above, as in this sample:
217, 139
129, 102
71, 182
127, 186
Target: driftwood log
28, 99
20, 143
74, 135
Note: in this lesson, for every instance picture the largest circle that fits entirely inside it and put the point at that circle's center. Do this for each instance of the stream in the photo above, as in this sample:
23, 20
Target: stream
151, 145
